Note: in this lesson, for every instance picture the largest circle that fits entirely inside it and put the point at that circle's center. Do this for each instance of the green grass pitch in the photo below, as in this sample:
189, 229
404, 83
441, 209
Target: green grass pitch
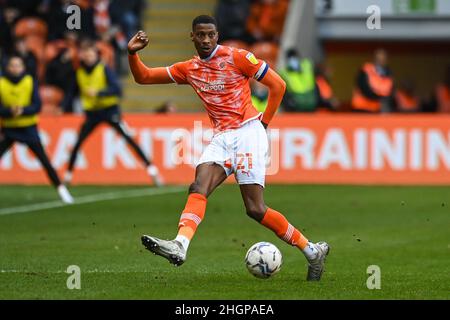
403, 230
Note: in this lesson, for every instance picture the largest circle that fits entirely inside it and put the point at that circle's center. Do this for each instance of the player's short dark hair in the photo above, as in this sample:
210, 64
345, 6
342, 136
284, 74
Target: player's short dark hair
204, 19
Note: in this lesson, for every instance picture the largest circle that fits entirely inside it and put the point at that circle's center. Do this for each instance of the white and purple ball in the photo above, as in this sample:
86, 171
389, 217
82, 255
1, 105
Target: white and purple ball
263, 260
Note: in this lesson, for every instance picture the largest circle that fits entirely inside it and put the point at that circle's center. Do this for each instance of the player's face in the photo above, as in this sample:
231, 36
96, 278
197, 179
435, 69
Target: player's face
205, 38
15, 67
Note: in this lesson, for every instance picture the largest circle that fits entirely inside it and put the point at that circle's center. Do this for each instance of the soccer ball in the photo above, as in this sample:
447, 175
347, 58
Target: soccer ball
263, 260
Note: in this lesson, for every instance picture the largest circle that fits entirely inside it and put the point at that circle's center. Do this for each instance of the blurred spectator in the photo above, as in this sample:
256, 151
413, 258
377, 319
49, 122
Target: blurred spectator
128, 15
406, 99
266, 19
102, 19
24, 7
260, 93
88, 29
107, 54
300, 95
61, 73
325, 95
70, 43
19, 113
443, 93
20, 49
103, 59
56, 18
8, 17
109, 32
88, 46
167, 107
232, 18
100, 95
374, 86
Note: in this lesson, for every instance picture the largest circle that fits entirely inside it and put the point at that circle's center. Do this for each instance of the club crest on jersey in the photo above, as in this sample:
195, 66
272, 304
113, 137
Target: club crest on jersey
250, 57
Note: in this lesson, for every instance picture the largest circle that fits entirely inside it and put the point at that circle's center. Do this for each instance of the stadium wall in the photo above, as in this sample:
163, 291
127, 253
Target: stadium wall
319, 148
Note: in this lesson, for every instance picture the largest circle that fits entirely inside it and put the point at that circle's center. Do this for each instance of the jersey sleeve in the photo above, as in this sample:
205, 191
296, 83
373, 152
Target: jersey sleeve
249, 65
178, 71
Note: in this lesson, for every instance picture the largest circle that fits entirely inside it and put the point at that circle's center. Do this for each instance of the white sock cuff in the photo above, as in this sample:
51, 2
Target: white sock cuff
310, 250
183, 240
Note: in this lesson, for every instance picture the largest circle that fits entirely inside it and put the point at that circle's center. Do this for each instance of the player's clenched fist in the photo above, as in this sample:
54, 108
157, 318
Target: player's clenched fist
138, 42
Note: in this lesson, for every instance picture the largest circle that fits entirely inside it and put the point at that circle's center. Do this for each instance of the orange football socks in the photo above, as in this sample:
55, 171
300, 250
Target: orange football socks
276, 222
192, 215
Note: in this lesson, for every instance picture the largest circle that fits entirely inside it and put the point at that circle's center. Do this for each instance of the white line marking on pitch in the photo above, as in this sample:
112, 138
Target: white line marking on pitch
92, 198
60, 271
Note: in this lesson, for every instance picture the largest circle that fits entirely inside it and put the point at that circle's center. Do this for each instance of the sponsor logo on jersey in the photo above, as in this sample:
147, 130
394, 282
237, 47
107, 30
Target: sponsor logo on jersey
250, 57
216, 85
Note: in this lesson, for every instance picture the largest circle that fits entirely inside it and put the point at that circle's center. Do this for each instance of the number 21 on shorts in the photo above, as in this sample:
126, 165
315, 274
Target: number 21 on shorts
243, 159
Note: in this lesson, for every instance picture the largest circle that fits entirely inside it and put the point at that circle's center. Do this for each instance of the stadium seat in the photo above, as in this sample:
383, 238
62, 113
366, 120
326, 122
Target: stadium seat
83, 4
51, 97
267, 51
53, 48
236, 44
31, 26
36, 45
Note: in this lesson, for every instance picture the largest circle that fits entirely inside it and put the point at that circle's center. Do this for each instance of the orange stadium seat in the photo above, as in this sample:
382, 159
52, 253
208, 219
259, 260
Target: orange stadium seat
83, 4
53, 48
51, 97
267, 51
36, 45
236, 44
31, 26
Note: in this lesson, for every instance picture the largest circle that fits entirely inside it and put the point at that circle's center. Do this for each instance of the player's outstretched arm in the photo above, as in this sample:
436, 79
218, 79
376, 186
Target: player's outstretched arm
277, 87
141, 73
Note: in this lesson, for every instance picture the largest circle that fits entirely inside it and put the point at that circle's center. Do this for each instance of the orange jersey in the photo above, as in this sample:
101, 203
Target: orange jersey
222, 82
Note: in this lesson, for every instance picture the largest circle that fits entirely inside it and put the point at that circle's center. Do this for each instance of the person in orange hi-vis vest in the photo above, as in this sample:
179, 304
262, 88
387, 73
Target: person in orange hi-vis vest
374, 86
406, 100
325, 95
443, 94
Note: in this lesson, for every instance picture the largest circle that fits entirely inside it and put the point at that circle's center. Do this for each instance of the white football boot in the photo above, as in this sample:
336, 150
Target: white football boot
172, 250
64, 194
316, 265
